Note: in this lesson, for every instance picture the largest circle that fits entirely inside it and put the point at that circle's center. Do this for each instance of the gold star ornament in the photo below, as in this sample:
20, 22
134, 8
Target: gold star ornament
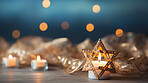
108, 56
73, 65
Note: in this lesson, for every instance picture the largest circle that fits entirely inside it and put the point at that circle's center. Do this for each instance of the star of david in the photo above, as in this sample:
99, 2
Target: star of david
108, 55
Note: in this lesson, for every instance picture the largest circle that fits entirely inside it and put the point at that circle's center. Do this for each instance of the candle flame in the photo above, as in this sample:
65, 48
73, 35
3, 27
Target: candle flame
99, 57
10, 56
38, 57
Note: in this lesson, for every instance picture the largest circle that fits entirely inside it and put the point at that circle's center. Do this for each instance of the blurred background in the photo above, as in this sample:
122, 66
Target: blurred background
69, 18
26, 27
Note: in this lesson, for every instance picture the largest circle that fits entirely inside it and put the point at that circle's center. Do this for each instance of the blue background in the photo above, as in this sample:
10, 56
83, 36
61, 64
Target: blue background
26, 16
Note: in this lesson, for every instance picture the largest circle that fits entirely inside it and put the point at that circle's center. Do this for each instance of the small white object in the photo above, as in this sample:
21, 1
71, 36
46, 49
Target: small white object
39, 64
74, 63
10, 61
106, 74
69, 62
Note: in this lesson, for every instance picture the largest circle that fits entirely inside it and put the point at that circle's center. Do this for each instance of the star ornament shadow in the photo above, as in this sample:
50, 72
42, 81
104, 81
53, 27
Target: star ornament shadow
108, 55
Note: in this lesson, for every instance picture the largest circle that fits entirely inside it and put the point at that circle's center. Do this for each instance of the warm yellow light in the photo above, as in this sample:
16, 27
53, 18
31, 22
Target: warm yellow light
46, 3
65, 25
38, 58
119, 32
99, 57
90, 27
16, 34
43, 26
96, 8
10, 56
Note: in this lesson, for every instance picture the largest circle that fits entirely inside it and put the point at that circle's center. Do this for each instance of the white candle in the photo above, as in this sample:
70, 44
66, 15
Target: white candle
39, 63
106, 74
10, 61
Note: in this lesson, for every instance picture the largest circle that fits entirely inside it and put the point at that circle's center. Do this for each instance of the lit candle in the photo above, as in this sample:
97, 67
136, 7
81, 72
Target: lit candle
39, 64
106, 74
10, 61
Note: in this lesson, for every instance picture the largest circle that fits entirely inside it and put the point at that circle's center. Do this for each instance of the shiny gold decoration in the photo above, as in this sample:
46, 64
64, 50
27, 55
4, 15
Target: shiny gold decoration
132, 59
109, 56
87, 53
71, 65
133, 52
25, 49
86, 44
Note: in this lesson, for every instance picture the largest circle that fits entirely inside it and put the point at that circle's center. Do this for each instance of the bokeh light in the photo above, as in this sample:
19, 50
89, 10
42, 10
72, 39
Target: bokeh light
16, 34
43, 26
65, 25
96, 8
90, 27
46, 3
119, 32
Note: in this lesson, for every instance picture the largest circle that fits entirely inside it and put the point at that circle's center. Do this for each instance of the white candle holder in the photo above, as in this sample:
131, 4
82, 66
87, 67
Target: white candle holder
9, 62
106, 74
39, 65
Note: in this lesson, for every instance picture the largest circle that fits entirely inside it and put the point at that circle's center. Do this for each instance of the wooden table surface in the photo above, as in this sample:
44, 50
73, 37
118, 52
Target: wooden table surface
56, 75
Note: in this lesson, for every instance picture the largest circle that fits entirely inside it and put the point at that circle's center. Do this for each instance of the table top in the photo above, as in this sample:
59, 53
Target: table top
57, 75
